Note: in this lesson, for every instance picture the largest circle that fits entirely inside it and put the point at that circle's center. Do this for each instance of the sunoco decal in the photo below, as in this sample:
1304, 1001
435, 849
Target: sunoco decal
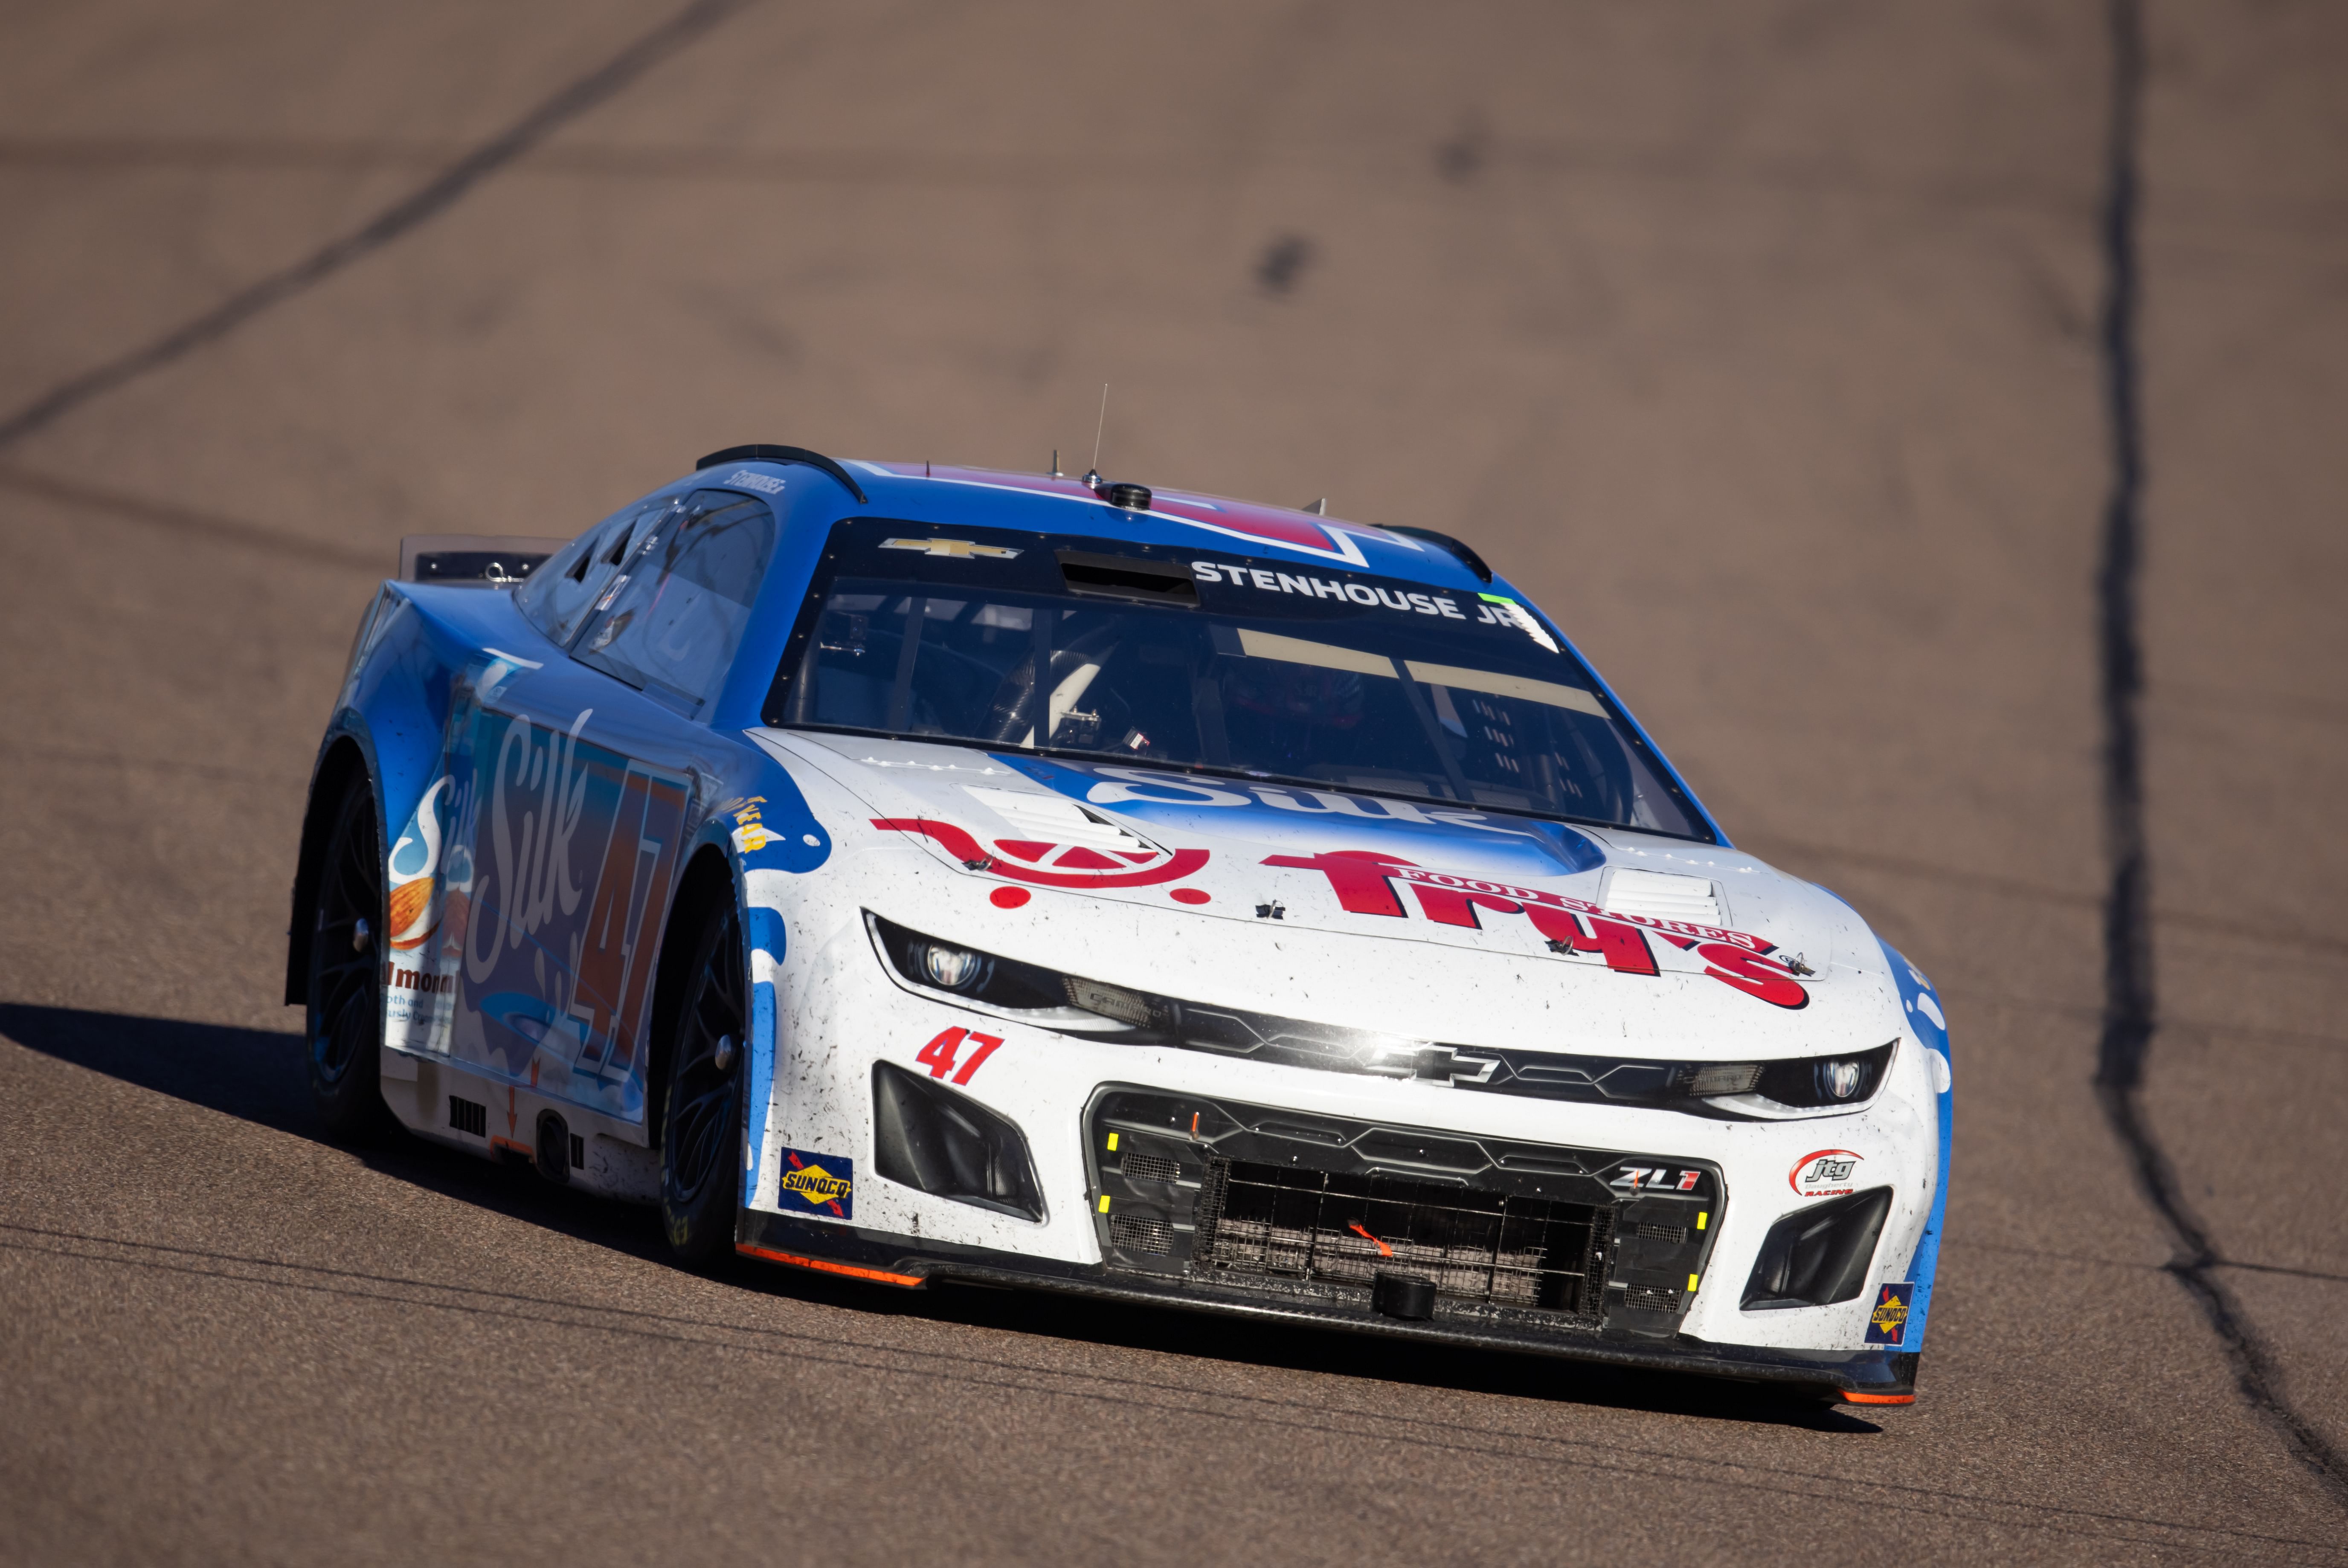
1825, 1174
826, 1183
1887, 1320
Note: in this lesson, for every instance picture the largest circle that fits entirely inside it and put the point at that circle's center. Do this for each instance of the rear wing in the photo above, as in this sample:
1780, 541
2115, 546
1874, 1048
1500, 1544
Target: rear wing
476, 560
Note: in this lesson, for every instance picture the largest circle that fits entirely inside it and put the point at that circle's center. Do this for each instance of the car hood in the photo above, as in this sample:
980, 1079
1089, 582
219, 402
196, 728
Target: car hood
1590, 937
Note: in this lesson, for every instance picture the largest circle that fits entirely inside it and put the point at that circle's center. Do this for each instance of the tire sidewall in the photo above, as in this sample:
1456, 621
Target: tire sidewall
701, 1232
352, 1105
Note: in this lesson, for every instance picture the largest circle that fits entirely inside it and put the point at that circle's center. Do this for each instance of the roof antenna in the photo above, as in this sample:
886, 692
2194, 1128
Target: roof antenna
1055, 464
1092, 475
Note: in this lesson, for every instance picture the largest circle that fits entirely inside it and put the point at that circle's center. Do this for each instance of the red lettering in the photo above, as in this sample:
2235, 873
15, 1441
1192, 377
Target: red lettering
1621, 944
1754, 975
987, 1046
1457, 907
938, 1056
1359, 877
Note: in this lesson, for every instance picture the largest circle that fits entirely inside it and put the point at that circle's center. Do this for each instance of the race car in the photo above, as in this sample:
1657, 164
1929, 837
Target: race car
920, 874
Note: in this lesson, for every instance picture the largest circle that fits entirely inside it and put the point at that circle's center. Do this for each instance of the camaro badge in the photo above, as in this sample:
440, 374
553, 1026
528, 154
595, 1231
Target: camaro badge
1886, 1322
963, 547
810, 1178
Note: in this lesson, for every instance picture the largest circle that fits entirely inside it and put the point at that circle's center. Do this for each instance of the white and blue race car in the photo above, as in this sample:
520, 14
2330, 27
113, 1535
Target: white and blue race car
923, 874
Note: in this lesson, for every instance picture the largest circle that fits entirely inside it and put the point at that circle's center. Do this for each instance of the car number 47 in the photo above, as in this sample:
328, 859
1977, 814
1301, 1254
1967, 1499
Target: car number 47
938, 1056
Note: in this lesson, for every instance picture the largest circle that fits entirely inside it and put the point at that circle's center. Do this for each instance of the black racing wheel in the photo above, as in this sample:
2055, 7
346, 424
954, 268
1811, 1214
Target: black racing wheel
345, 978
701, 1125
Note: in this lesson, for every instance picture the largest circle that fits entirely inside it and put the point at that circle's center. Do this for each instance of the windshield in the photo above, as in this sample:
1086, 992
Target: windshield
1199, 660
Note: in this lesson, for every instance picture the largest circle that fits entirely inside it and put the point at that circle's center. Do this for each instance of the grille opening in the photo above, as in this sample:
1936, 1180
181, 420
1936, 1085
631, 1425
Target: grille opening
1149, 1168
1348, 1228
1141, 1233
1671, 1234
1651, 1298
468, 1116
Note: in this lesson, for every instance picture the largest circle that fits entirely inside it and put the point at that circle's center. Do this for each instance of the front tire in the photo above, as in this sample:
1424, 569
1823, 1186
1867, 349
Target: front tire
701, 1122
345, 973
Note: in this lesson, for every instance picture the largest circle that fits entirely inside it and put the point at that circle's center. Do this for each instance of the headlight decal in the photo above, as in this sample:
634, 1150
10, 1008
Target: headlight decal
1089, 1008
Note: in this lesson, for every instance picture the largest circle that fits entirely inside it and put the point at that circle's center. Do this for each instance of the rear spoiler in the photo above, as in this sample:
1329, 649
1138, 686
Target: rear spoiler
473, 561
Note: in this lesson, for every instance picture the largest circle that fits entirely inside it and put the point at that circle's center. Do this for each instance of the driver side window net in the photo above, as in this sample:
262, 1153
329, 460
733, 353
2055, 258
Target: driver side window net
678, 597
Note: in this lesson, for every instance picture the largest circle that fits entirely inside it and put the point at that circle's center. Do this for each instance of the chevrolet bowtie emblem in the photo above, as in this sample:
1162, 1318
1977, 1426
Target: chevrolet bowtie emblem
963, 548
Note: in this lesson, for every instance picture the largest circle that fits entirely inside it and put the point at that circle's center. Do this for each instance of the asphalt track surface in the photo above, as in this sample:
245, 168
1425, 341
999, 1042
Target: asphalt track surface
1929, 416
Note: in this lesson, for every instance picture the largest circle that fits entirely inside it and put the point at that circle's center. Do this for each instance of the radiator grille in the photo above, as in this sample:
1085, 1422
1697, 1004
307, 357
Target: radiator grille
1149, 1168
1345, 1228
468, 1116
1671, 1234
1141, 1233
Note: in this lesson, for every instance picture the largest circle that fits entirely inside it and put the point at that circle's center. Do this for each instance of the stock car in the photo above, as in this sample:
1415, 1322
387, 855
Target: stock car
919, 874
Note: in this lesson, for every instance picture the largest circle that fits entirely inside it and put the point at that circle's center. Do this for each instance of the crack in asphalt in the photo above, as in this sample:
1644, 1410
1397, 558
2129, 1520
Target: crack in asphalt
418, 206
2130, 1013
209, 525
1316, 1416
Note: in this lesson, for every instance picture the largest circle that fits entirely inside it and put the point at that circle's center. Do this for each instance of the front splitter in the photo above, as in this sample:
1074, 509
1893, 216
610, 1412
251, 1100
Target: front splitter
1863, 1377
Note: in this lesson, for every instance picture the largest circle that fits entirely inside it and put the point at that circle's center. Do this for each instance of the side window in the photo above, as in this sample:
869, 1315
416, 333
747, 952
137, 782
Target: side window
669, 623
557, 597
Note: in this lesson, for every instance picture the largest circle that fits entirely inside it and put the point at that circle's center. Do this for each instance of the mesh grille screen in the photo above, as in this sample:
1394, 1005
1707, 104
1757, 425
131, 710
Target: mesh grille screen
1256, 1219
1149, 1168
1141, 1233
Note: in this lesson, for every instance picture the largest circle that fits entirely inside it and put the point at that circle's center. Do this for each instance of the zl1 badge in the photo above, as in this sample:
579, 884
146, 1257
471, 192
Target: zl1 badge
1886, 1321
824, 1182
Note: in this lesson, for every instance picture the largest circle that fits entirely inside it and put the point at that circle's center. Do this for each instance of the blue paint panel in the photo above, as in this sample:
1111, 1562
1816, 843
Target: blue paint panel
766, 935
1483, 843
1930, 1026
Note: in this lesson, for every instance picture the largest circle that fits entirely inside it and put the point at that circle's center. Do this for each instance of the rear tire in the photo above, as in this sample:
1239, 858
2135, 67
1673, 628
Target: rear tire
344, 1030
701, 1121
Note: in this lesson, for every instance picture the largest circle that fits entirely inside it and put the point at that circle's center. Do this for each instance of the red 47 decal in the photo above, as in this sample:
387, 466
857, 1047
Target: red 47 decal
938, 1056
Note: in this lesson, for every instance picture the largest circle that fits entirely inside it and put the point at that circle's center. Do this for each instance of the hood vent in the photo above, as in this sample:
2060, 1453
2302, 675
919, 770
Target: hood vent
1663, 895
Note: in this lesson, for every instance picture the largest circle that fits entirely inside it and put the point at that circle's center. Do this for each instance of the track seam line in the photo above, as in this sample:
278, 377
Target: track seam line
418, 206
2130, 1015
834, 1348
1455, 1436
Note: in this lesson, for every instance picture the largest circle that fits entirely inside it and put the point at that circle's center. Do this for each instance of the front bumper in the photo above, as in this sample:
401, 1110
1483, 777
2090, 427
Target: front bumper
1861, 1377
1622, 1299
1202, 1202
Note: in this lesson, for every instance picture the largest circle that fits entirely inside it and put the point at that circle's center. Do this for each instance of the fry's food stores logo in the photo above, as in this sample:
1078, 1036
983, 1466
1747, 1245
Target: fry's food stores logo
1363, 881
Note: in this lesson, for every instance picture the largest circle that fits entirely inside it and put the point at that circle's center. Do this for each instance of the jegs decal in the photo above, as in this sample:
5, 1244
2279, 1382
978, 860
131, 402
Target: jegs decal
1825, 1174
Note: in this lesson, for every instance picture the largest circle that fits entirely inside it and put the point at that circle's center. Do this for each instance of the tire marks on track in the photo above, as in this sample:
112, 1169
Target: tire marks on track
2130, 1013
411, 211
1317, 1417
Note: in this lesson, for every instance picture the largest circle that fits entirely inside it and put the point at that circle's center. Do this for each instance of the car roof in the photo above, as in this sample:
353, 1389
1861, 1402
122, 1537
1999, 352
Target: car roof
1174, 519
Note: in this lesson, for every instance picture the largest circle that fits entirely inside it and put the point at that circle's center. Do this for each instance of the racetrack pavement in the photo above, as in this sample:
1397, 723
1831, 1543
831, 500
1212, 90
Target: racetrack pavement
1768, 345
